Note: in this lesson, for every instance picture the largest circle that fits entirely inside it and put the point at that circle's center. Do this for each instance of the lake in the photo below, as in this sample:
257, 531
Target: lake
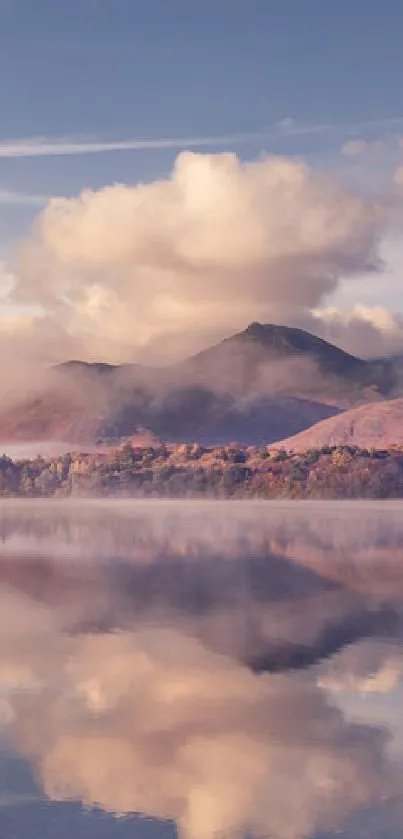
212, 670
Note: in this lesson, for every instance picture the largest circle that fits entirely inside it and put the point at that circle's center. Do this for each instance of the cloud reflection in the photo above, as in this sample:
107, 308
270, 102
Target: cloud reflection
127, 684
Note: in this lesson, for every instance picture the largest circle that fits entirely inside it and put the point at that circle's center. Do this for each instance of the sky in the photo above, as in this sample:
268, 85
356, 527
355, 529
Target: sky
95, 93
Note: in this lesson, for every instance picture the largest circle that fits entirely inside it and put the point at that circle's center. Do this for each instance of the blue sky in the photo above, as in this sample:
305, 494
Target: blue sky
118, 69
150, 67
295, 77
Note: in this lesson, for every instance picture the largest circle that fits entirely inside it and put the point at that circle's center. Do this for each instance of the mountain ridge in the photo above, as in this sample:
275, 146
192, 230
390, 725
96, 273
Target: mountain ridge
279, 342
266, 382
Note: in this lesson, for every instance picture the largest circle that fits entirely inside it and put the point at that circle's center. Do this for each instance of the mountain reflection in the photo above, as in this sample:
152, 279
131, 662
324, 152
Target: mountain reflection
230, 669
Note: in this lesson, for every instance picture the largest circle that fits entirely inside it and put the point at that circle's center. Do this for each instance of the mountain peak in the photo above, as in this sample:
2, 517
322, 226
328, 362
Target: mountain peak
290, 340
255, 329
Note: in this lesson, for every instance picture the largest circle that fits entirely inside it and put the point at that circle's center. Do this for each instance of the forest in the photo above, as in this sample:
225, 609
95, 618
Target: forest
191, 470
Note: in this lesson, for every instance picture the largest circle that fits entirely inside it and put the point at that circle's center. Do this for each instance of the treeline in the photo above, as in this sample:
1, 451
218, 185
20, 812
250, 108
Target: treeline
230, 471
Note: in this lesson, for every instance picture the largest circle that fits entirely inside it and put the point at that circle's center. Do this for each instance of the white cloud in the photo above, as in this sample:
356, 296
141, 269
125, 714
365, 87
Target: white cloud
216, 244
65, 146
61, 146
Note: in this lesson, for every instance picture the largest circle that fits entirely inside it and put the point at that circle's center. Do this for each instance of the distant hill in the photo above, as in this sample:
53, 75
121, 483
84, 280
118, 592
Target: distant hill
376, 426
259, 385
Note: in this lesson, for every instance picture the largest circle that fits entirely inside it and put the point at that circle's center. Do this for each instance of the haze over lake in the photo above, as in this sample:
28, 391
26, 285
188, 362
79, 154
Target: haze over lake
212, 669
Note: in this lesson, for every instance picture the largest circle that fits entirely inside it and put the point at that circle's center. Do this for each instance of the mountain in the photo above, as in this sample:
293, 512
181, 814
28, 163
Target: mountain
256, 386
376, 426
284, 358
260, 343
184, 415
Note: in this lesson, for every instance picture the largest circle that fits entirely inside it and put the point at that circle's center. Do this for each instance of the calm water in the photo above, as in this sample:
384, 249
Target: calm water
221, 670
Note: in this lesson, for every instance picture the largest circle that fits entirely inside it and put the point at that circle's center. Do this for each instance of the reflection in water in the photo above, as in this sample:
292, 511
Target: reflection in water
233, 669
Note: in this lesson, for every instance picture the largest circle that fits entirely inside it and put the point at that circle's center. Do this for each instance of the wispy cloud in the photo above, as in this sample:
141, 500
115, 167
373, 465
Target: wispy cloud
23, 199
288, 127
48, 147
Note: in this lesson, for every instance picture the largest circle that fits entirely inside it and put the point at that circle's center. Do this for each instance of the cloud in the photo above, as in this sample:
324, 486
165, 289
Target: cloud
398, 177
66, 146
353, 148
7, 282
29, 343
62, 146
359, 147
24, 199
364, 668
362, 330
216, 244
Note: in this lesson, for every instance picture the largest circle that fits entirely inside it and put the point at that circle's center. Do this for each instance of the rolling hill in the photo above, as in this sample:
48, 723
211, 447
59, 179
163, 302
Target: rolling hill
256, 386
376, 426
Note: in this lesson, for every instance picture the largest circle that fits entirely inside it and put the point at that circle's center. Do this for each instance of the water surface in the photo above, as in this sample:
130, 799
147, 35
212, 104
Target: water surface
206, 669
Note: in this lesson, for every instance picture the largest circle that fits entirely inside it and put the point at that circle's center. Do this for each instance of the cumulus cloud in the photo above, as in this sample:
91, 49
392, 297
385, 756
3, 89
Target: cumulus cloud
216, 244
